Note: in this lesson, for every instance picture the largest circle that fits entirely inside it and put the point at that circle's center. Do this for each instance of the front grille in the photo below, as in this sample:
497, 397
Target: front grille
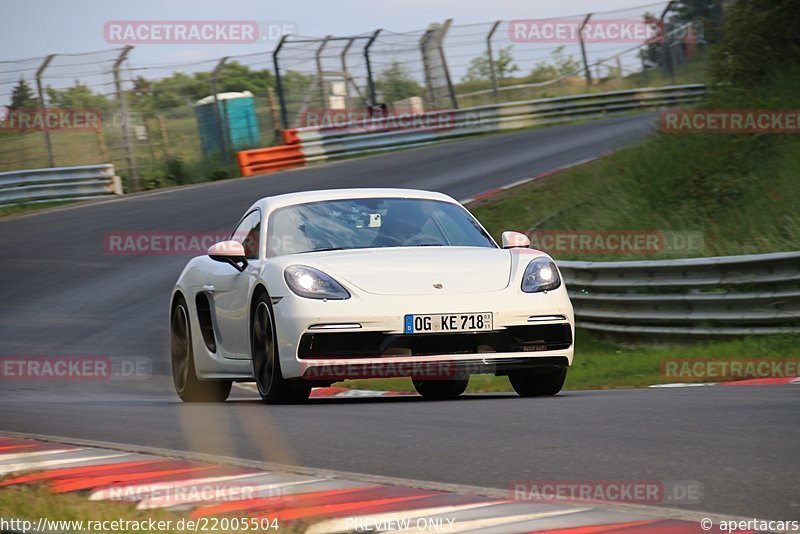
529, 338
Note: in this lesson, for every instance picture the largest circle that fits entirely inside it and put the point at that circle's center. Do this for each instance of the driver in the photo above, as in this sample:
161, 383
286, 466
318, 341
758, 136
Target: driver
399, 225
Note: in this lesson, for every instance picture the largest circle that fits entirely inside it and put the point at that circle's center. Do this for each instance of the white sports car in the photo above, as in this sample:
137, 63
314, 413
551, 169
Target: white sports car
322, 286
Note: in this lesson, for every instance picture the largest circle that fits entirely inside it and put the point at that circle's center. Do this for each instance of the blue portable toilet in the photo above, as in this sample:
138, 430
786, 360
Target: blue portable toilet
237, 112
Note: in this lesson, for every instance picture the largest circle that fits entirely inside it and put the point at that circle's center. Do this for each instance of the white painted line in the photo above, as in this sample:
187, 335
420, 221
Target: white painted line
349, 393
683, 385
51, 464
366, 393
5, 458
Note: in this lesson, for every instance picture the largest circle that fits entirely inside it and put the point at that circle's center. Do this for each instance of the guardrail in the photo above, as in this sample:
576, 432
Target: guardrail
265, 160
383, 134
722, 296
59, 183
390, 133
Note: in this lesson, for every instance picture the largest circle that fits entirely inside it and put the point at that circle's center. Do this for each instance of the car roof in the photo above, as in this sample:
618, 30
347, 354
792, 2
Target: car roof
269, 204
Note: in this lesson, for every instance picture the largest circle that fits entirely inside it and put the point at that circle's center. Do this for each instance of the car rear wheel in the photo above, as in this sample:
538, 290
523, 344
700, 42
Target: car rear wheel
184, 376
273, 388
538, 382
440, 389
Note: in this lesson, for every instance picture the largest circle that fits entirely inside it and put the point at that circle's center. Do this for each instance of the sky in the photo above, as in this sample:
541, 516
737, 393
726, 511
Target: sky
34, 28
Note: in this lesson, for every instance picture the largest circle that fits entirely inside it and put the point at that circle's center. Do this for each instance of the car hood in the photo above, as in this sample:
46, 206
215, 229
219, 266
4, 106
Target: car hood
420, 270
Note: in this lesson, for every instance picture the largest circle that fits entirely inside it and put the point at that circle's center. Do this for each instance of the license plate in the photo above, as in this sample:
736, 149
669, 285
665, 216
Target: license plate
443, 323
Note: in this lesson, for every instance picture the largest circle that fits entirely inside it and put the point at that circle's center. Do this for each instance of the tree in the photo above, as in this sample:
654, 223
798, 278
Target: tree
22, 96
79, 96
171, 95
559, 65
758, 39
237, 77
480, 68
705, 13
396, 84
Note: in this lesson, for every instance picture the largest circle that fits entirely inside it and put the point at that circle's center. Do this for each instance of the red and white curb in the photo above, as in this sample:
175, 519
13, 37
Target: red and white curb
335, 391
320, 504
750, 382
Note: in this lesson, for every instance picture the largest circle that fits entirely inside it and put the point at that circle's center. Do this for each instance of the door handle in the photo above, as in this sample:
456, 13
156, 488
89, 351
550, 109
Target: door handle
208, 288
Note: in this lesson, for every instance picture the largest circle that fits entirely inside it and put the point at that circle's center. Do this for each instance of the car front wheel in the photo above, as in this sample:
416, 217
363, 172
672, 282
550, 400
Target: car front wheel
538, 382
273, 388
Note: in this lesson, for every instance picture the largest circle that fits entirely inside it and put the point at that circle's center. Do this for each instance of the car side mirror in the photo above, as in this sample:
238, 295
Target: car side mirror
231, 252
515, 240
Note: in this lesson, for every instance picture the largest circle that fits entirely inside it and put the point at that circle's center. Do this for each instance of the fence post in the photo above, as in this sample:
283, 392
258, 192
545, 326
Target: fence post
665, 48
101, 145
440, 35
426, 67
370, 81
274, 113
279, 82
162, 128
346, 74
583, 50
51, 162
348, 79
323, 91
123, 108
222, 128
492, 72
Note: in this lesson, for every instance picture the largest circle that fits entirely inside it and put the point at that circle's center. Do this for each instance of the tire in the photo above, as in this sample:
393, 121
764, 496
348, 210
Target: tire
184, 375
440, 389
538, 382
273, 388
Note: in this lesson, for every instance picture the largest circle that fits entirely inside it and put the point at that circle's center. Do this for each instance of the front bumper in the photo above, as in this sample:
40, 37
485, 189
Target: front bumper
363, 336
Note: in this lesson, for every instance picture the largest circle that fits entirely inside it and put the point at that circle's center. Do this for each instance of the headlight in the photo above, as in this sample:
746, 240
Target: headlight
313, 284
540, 275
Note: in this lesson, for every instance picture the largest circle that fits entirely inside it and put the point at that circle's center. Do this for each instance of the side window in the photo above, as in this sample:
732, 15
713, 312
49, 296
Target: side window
247, 234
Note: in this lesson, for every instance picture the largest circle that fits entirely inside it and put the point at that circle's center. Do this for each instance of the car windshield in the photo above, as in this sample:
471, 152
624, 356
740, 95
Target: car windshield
372, 223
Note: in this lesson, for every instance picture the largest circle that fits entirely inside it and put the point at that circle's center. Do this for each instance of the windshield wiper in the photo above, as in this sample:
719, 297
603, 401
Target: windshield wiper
429, 245
321, 250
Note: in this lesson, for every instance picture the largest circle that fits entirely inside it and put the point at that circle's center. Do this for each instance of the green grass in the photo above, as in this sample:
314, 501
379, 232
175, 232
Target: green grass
34, 502
740, 191
600, 364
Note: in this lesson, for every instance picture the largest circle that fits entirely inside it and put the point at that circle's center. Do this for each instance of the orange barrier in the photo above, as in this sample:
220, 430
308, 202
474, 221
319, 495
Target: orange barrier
264, 160
290, 136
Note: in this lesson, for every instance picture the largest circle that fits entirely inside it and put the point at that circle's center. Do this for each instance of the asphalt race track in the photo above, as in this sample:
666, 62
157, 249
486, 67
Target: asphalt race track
62, 294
